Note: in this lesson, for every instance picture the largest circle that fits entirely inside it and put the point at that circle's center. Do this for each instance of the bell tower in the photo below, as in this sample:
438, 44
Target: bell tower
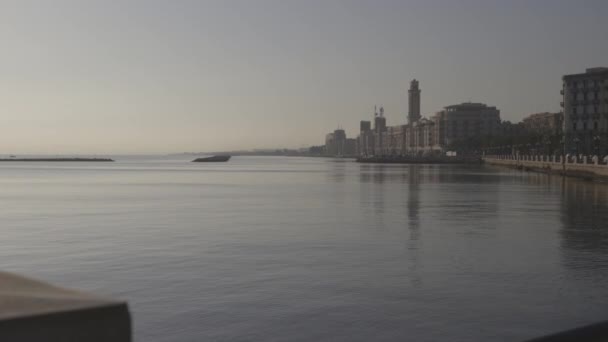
413, 114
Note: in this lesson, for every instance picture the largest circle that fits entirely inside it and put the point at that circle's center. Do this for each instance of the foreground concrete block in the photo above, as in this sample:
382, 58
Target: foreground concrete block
34, 311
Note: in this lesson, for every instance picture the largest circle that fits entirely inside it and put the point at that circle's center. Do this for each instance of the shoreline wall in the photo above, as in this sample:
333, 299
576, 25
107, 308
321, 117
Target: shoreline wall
582, 167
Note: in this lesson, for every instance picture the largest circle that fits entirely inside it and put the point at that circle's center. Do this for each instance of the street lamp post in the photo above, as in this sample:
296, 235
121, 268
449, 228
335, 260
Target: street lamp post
547, 143
596, 145
563, 142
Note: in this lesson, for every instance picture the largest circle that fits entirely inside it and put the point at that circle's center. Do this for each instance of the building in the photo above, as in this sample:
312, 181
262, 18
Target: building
379, 132
350, 147
465, 121
544, 123
336, 144
413, 113
330, 146
585, 105
426, 140
420, 135
396, 143
415, 137
366, 139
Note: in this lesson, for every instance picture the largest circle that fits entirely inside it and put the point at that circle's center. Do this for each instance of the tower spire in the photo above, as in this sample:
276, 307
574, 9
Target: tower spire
413, 114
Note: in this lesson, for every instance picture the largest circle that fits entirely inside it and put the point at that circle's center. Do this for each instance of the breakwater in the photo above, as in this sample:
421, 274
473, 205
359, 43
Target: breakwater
582, 167
56, 160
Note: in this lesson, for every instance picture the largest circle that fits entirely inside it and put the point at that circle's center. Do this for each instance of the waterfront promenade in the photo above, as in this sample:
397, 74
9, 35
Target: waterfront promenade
584, 167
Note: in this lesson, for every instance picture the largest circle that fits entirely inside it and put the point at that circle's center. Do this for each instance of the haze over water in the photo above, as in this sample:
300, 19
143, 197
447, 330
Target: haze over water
303, 249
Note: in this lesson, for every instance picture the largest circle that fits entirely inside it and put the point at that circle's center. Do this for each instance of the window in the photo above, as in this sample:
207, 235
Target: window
574, 126
595, 126
573, 110
584, 126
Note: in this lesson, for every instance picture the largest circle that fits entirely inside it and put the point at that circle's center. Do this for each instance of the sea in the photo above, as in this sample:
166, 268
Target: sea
314, 249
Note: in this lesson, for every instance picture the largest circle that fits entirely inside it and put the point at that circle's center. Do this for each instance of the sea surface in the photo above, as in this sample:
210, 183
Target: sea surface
305, 249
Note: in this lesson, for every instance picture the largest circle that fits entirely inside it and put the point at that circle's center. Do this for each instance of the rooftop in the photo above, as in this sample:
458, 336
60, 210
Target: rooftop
600, 71
541, 115
469, 105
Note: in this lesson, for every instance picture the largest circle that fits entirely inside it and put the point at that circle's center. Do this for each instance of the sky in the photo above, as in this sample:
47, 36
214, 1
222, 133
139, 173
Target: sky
157, 76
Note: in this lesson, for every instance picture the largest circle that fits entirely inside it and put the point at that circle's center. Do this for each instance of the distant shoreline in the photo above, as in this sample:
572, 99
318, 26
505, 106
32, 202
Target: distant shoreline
56, 160
419, 160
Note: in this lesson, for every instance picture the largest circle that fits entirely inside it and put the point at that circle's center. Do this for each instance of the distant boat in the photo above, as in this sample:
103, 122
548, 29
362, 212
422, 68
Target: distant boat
13, 156
214, 159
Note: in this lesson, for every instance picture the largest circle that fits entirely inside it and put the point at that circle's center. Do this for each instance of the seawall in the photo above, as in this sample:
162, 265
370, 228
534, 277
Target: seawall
584, 167
35, 311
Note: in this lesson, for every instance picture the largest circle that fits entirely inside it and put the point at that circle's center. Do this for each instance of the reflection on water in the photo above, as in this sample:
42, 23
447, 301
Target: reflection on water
283, 249
413, 220
413, 202
585, 223
583, 213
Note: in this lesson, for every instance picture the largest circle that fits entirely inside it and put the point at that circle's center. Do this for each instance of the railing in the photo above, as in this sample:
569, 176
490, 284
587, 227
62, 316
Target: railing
592, 333
552, 159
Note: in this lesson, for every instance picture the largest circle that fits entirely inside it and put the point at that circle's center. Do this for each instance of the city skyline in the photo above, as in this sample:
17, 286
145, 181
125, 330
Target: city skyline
154, 77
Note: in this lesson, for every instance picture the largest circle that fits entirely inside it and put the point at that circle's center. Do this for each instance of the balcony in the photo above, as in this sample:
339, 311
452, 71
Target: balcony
561, 91
561, 103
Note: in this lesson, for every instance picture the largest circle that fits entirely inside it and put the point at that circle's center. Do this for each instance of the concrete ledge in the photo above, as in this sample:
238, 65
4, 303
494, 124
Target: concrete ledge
35, 311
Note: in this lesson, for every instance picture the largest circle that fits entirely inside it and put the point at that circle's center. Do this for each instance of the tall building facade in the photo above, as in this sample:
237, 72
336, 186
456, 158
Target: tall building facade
544, 123
336, 143
466, 120
366, 139
413, 113
585, 104
379, 132
330, 146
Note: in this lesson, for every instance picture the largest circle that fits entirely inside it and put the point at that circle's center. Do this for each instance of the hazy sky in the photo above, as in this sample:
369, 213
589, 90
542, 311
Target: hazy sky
171, 76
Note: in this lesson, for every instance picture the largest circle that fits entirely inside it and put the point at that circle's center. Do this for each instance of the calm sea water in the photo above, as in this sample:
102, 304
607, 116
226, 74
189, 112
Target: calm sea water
298, 249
